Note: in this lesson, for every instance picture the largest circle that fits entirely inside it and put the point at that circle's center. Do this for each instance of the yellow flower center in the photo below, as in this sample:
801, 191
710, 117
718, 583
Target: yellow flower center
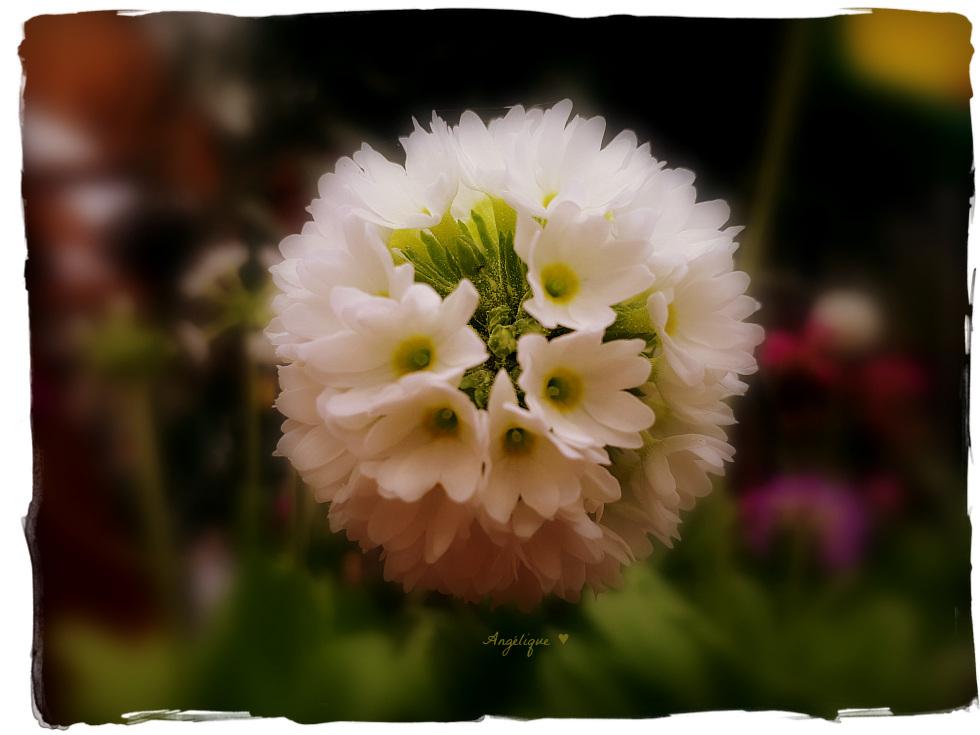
412, 355
560, 282
517, 441
442, 422
563, 389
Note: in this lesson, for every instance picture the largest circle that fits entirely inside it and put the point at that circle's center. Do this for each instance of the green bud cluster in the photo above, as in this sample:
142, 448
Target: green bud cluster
477, 383
481, 249
633, 322
502, 341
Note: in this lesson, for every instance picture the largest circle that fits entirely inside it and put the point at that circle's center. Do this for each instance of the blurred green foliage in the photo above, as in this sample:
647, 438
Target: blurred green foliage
682, 636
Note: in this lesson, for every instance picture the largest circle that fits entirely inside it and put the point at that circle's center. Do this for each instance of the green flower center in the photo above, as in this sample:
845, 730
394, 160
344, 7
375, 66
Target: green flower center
442, 422
481, 249
563, 389
412, 355
517, 441
560, 282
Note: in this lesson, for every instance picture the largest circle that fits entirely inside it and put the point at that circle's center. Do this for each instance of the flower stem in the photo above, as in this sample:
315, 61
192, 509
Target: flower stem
300, 519
156, 517
305, 513
251, 435
782, 119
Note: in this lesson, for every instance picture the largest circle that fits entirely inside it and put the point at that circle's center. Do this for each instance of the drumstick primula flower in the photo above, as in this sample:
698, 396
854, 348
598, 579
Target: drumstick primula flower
507, 359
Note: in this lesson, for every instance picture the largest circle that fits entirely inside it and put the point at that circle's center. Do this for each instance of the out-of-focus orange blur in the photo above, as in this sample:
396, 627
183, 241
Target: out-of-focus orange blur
925, 54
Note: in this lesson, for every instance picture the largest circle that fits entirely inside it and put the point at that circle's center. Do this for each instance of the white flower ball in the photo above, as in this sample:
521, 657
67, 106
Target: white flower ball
506, 360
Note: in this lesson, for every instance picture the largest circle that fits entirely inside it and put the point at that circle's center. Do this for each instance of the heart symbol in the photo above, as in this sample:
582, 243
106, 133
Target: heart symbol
563, 637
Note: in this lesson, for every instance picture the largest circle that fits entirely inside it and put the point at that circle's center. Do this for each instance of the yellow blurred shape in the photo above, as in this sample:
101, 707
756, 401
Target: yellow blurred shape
918, 52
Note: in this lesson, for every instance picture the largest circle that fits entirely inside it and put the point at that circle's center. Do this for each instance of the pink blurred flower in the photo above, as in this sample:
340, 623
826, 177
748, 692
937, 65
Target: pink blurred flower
802, 379
840, 324
830, 513
785, 353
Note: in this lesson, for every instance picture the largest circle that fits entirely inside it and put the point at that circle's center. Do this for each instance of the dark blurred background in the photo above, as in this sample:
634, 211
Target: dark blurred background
179, 565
